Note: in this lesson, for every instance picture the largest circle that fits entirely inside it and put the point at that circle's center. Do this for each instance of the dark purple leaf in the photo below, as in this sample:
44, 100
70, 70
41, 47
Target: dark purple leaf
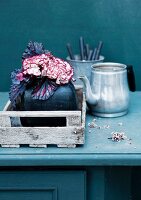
33, 49
14, 76
44, 90
16, 90
17, 87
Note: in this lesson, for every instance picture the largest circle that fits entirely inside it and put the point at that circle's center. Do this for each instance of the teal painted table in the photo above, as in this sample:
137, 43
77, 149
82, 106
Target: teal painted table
100, 169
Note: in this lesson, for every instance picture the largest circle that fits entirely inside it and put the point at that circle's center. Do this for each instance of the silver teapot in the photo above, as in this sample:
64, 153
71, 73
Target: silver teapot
107, 93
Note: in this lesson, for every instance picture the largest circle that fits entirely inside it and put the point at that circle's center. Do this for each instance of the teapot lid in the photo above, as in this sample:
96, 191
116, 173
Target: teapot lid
109, 67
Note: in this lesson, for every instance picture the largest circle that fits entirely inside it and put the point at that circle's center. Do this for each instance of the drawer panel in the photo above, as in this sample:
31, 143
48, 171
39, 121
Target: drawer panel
42, 185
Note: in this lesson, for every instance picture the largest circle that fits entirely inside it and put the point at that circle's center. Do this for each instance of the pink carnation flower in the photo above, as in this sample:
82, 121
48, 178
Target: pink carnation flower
47, 65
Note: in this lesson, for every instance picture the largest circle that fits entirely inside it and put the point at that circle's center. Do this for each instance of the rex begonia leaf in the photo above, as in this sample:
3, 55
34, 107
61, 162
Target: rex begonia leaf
17, 88
44, 90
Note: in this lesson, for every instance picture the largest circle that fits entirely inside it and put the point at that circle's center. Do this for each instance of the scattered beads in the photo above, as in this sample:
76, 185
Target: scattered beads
120, 123
106, 126
117, 136
94, 125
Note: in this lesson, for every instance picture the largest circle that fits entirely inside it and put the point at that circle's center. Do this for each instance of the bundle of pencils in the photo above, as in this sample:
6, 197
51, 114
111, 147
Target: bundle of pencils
86, 53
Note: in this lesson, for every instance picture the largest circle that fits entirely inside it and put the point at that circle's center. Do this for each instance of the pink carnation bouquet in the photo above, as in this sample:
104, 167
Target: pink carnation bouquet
46, 65
40, 69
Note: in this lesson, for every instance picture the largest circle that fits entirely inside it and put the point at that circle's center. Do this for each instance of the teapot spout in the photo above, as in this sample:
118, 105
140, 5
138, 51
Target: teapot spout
91, 98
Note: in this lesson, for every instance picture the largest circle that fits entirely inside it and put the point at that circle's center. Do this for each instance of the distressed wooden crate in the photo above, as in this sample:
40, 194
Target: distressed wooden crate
12, 134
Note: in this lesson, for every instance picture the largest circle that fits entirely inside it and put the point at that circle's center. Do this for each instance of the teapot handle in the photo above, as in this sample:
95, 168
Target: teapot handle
131, 78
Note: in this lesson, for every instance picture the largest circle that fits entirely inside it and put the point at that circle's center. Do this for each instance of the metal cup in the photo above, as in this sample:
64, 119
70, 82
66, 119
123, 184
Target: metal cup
82, 67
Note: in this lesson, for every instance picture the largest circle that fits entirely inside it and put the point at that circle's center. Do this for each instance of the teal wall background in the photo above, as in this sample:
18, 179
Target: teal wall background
55, 22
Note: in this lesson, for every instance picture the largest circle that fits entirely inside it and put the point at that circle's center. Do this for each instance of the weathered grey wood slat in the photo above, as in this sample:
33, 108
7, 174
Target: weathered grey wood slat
38, 145
5, 121
65, 145
10, 145
39, 113
83, 111
7, 106
41, 135
74, 120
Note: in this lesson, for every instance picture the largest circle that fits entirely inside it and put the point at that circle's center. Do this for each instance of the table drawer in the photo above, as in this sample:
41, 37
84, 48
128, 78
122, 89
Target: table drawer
42, 185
